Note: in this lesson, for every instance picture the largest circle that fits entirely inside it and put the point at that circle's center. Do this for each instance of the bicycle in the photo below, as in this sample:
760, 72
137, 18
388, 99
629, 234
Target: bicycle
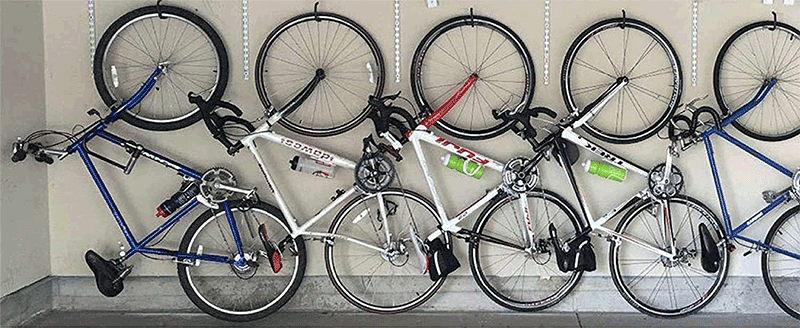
475, 45
529, 236
779, 249
372, 247
220, 253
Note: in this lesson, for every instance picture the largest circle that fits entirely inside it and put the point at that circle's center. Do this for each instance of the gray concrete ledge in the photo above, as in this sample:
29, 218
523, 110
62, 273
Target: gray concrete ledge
412, 319
27, 302
740, 298
744, 295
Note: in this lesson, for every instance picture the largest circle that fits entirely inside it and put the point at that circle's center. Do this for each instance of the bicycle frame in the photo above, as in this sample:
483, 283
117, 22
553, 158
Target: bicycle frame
98, 130
730, 231
264, 132
421, 133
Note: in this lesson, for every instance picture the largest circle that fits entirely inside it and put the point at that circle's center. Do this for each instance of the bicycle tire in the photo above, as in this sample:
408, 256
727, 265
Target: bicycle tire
636, 290
242, 295
400, 284
196, 60
585, 76
737, 78
782, 289
351, 75
506, 80
490, 272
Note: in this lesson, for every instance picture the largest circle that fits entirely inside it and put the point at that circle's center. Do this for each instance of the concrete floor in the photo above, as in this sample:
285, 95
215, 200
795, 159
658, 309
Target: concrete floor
443, 319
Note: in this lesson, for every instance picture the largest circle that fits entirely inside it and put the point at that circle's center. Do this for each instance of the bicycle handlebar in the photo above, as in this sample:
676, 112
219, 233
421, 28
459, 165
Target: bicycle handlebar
692, 124
527, 132
214, 122
381, 116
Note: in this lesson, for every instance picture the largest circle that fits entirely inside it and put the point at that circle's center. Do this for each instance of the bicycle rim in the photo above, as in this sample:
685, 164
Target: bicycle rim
191, 52
467, 45
517, 279
657, 285
752, 56
350, 58
373, 280
239, 294
781, 272
605, 52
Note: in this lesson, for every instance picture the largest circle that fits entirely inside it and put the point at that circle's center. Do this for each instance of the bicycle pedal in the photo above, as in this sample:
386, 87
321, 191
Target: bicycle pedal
273, 254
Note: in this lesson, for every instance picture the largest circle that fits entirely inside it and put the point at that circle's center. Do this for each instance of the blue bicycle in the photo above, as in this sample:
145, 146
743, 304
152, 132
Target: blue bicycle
222, 254
780, 257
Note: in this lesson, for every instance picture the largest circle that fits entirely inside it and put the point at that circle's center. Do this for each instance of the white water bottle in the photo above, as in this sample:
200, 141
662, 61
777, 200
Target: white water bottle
312, 166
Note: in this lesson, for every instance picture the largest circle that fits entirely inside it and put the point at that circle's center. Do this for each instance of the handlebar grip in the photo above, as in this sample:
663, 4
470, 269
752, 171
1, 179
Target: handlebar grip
19, 152
18, 156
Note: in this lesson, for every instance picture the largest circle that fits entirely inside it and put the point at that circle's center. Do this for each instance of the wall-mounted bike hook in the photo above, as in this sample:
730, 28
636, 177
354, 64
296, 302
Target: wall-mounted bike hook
316, 14
471, 18
158, 8
774, 21
624, 18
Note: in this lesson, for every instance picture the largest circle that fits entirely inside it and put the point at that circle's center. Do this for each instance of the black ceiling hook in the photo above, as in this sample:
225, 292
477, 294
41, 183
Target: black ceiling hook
624, 20
774, 21
316, 14
158, 8
471, 18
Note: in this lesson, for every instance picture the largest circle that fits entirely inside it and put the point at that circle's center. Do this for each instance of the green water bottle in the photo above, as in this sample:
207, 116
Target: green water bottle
463, 165
604, 170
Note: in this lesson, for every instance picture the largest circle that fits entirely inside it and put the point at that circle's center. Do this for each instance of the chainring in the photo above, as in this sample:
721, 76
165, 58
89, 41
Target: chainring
209, 185
374, 172
665, 189
517, 181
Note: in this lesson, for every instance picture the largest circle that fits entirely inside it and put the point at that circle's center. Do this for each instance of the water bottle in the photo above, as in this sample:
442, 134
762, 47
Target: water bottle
604, 170
312, 166
463, 165
189, 189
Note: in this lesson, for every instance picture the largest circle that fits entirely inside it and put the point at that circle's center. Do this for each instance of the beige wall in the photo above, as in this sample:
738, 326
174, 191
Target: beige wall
24, 234
80, 220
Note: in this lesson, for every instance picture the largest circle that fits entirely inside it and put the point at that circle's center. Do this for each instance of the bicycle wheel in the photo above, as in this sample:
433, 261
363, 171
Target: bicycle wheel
458, 48
526, 280
233, 293
657, 285
752, 56
782, 272
393, 280
350, 58
605, 52
191, 52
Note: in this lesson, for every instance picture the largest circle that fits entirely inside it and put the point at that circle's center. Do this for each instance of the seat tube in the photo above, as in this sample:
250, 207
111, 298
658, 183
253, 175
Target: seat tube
526, 217
669, 236
234, 230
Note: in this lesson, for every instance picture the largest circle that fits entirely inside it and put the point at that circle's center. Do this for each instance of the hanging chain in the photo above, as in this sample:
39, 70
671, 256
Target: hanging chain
245, 41
546, 42
92, 39
396, 41
695, 4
